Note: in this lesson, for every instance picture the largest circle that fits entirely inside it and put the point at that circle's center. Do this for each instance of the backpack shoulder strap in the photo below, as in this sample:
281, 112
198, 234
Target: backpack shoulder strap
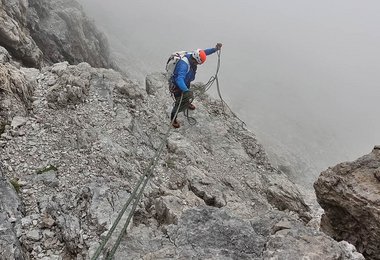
185, 59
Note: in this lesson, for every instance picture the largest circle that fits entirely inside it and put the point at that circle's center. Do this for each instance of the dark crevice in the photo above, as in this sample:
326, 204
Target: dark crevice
209, 200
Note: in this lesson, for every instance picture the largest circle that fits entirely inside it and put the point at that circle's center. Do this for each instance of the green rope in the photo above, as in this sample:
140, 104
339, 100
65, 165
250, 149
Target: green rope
124, 229
191, 120
112, 229
148, 173
211, 81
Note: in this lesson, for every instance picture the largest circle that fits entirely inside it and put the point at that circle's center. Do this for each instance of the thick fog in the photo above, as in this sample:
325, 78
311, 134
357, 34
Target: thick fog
303, 75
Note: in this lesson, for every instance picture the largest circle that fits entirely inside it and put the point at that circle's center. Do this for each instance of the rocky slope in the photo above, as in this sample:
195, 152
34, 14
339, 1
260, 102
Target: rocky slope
88, 136
75, 140
350, 196
39, 33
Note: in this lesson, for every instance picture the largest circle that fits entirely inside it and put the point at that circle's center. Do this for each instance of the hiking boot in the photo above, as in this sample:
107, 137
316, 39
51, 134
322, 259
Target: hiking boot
175, 124
191, 106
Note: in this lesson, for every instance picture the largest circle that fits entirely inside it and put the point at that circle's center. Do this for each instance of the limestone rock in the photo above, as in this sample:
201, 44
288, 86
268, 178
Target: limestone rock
155, 82
70, 232
34, 235
18, 121
350, 195
13, 33
207, 233
4, 55
283, 194
205, 188
59, 28
100, 131
292, 240
72, 86
167, 209
64, 33
10, 207
47, 221
16, 90
350, 252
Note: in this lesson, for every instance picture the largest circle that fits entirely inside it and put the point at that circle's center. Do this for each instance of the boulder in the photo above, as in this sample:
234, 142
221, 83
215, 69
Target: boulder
72, 84
289, 239
350, 195
209, 233
16, 89
155, 82
10, 215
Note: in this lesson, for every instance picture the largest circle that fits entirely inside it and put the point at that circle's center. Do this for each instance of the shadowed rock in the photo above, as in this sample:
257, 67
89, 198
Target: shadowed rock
10, 216
64, 33
350, 195
13, 33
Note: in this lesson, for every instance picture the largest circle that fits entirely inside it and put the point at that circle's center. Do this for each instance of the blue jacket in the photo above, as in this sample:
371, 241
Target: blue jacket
182, 75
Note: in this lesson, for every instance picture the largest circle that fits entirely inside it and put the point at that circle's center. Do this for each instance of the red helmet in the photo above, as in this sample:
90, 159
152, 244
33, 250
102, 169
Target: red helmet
199, 55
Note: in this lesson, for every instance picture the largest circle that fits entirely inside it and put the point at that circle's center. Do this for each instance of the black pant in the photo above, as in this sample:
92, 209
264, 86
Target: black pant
187, 98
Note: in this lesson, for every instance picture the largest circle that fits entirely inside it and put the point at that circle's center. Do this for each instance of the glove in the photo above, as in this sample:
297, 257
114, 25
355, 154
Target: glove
218, 46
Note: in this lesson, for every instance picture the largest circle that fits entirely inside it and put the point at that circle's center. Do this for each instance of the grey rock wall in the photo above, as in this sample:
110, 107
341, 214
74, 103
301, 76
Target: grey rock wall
10, 216
350, 195
64, 33
42, 32
13, 33
16, 90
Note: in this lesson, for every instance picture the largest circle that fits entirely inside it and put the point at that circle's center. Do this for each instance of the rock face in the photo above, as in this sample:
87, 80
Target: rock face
350, 195
40, 31
211, 233
13, 33
10, 216
16, 89
64, 33
77, 140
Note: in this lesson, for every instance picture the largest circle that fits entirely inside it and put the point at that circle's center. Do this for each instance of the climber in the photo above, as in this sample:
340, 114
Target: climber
183, 74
